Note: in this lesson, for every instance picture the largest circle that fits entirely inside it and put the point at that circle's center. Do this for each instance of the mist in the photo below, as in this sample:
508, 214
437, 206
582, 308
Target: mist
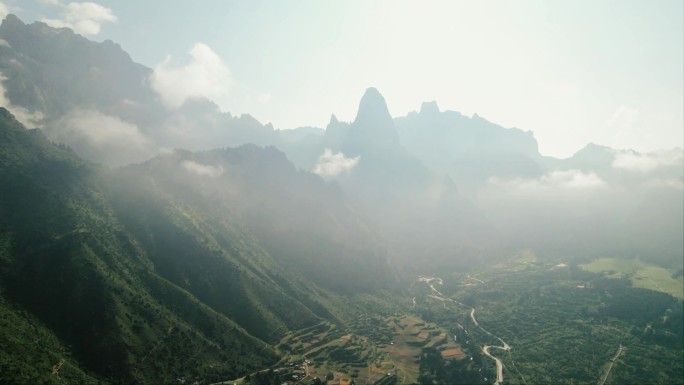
437, 186
182, 238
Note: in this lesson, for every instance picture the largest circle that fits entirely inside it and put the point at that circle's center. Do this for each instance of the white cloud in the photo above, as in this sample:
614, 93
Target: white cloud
331, 164
30, 119
666, 183
103, 129
84, 18
203, 169
265, 97
561, 88
572, 180
4, 43
624, 128
204, 76
624, 117
3, 11
102, 138
634, 161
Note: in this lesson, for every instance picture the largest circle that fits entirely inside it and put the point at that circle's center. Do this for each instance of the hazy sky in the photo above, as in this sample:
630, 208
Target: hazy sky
573, 72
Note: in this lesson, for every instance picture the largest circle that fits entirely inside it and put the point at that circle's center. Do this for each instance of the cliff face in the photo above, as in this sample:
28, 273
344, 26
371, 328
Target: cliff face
53, 70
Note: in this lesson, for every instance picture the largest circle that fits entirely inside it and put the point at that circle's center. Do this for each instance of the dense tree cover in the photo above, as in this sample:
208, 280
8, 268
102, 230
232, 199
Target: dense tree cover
139, 284
68, 262
184, 267
436, 370
564, 326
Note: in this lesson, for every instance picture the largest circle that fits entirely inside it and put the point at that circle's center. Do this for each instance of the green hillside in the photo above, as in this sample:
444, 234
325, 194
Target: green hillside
136, 282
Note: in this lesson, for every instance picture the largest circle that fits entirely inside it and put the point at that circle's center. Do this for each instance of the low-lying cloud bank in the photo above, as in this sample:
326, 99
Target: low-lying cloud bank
104, 138
574, 180
634, 161
203, 169
331, 163
30, 119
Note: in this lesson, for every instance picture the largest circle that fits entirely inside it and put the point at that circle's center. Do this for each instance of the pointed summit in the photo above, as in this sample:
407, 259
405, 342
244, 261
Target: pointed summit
373, 110
373, 127
12, 20
11, 25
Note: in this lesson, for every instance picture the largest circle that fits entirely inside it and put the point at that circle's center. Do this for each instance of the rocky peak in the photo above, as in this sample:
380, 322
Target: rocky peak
373, 126
12, 21
373, 110
333, 120
429, 108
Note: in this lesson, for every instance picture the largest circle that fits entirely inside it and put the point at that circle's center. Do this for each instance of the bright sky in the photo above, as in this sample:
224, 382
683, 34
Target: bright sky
572, 71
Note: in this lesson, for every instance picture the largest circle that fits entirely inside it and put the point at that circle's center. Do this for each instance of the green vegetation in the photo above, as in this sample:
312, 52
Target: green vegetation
32, 354
641, 274
139, 276
140, 280
194, 267
564, 325
374, 348
69, 264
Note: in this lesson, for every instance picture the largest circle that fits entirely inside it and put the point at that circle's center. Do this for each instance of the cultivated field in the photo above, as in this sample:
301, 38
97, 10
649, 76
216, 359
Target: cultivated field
372, 349
640, 273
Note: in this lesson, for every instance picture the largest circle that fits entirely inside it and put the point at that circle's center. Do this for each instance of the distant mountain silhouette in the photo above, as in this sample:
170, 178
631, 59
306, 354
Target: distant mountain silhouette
471, 150
218, 235
373, 129
54, 70
64, 77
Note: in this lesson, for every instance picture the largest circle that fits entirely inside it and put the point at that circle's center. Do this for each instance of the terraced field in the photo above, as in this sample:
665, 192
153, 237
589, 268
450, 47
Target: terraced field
372, 349
560, 323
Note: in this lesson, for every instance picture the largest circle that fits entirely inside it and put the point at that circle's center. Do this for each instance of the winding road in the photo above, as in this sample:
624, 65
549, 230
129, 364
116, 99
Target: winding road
612, 362
505, 345
485, 349
499, 364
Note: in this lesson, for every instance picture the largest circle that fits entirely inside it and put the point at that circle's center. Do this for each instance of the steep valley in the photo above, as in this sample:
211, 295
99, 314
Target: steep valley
148, 242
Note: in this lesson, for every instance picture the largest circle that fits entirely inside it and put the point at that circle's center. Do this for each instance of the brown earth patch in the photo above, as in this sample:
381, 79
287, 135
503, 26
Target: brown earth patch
453, 353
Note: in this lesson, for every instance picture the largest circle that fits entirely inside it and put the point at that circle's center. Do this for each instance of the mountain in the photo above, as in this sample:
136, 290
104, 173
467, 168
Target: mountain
432, 182
169, 269
470, 150
54, 70
373, 129
63, 83
424, 218
386, 171
454, 190
148, 243
69, 264
295, 216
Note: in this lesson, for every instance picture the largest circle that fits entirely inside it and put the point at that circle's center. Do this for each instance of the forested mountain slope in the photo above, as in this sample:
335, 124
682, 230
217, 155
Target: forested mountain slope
132, 281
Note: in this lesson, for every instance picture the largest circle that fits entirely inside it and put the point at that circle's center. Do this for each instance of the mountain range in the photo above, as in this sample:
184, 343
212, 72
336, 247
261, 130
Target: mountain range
142, 243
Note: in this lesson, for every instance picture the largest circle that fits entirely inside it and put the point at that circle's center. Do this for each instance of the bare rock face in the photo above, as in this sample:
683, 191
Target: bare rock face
373, 127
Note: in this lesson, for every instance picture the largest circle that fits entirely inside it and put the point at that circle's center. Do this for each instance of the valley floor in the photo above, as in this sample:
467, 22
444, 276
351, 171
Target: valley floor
519, 322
